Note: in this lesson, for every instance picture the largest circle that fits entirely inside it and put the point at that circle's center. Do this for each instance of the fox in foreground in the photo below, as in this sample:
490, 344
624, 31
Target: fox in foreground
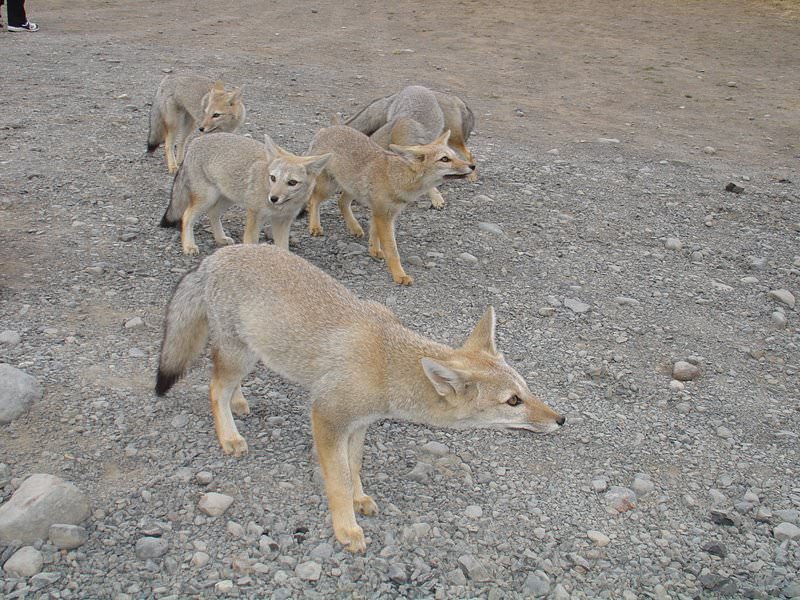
382, 180
183, 101
458, 117
413, 117
221, 169
360, 365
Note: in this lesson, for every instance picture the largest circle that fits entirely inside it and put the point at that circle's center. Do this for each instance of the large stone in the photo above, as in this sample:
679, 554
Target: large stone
784, 296
24, 562
18, 391
41, 501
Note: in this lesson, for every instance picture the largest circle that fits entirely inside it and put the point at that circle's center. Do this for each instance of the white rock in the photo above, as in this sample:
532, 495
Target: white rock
685, 371
18, 391
673, 244
490, 228
642, 485
576, 306
784, 296
224, 587
603, 140
134, 323
25, 562
786, 531
467, 258
308, 571
598, 538
473, 511
676, 385
214, 504
710, 150
38, 503
200, 559
778, 319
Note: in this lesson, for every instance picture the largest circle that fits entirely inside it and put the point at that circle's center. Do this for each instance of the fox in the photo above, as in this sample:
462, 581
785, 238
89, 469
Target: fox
183, 101
355, 358
221, 169
458, 117
383, 180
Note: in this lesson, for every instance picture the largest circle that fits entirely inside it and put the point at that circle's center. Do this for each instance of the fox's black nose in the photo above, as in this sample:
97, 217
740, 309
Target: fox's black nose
273, 199
201, 129
561, 420
472, 167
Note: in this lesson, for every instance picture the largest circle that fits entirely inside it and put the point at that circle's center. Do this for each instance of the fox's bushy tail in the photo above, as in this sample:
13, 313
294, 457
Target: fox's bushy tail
185, 329
156, 135
178, 200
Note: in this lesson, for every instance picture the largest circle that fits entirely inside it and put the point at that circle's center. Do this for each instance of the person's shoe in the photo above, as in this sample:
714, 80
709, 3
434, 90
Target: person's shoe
26, 26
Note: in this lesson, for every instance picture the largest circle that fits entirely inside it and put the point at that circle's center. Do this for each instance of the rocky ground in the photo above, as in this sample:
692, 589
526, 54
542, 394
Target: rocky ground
639, 241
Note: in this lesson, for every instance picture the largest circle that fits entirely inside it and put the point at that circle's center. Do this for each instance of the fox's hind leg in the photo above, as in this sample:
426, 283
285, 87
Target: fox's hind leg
322, 190
215, 217
169, 148
362, 503
345, 207
239, 404
231, 363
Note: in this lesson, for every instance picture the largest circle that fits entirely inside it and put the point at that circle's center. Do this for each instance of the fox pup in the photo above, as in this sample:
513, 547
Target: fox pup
183, 101
381, 180
458, 118
223, 169
359, 363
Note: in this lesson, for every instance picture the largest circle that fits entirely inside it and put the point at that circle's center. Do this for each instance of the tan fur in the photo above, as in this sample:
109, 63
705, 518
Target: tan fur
458, 118
184, 101
358, 362
222, 169
382, 180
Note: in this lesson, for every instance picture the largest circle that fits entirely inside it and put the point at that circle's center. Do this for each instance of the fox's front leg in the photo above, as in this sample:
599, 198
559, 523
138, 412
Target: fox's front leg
374, 241
384, 228
333, 450
317, 197
169, 150
437, 201
345, 207
362, 503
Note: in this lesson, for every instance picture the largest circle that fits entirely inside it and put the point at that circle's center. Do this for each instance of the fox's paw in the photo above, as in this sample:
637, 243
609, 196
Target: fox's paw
403, 279
172, 169
191, 249
352, 538
235, 445
357, 231
437, 201
315, 230
473, 176
366, 506
239, 406
226, 241
376, 252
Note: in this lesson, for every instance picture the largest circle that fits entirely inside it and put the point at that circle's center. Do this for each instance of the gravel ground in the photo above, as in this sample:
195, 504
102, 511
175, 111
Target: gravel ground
608, 258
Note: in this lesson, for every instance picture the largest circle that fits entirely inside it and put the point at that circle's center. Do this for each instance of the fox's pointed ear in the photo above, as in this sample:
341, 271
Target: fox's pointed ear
235, 96
482, 337
443, 139
315, 164
272, 148
409, 152
444, 379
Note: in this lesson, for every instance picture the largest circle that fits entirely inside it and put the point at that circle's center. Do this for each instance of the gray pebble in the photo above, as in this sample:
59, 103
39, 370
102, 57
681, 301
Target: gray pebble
490, 228
134, 323
536, 585
10, 337
784, 296
576, 306
778, 319
642, 485
467, 259
786, 531
473, 568
473, 511
66, 537
18, 392
24, 562
204, 477
214, 504
673, 244
685, 371
151, 547
435, 448
308, 571
421, 473
323, 551
620, 499
547, 311
398, 573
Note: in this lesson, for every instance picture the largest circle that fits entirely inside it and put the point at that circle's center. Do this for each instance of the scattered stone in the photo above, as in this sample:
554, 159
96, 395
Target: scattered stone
547, 311
786, 531
308, 571
732, 187
204, 477
620, 499
536, 585
421, 473
25, 562
467, 259
778, 319
554, 152
473, 568
18, 391
603, 140
398, 573
490, 228
725, 518
214, 504
151, 547
789, 515
598, 538
38, 503
457, 577
716, 548
235, 530
200, 559
724, 432
625, 301
134, 323
67, 537
9, 337
599, 484
435, 448
642, 485
709, 150
322, 552
685, 371
42, 580
577, 306
473, 511
676, 385
784, 296
224, 587
673, 244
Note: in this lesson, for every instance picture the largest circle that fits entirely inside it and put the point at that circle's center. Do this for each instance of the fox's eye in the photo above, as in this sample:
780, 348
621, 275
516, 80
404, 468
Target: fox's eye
216, 115
514, 401
272, 178
291, 183
444, 159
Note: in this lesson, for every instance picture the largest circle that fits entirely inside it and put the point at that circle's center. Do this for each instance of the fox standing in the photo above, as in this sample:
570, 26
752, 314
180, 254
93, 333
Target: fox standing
358, 362
223, 169
183, 101
381, 180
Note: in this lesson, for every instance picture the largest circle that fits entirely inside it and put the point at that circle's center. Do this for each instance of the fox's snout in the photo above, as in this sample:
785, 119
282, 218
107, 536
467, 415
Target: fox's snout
274, 199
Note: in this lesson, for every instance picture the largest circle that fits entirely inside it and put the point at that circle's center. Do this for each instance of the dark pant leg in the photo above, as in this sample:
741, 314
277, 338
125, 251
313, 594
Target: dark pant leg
16, 12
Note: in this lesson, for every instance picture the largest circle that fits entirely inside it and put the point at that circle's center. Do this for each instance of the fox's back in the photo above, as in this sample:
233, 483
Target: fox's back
353, 153
186, 91
418, 103
297, 318
225, 155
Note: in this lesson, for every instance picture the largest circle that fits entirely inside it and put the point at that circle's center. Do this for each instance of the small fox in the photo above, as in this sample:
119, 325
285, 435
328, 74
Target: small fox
458, 117
382, 180
359, 363
221, 169
183, 101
